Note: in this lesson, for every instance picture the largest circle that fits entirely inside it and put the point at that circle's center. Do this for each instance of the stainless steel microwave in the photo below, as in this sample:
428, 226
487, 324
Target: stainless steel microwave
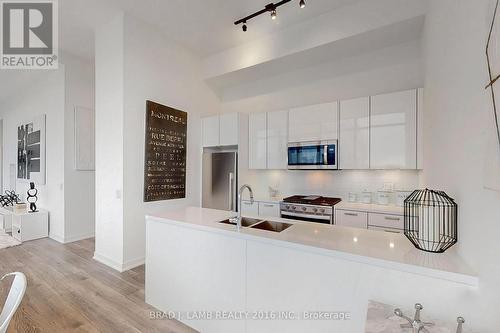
315, 155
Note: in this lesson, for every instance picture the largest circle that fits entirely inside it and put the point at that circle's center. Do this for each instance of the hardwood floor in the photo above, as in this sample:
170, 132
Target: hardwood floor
70, 292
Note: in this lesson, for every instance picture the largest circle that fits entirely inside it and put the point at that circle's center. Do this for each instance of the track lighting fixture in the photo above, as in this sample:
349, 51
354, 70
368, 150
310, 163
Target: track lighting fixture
273, 14
270, 8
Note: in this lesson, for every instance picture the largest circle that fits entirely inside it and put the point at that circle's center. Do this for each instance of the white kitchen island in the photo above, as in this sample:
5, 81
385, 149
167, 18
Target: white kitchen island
308, 278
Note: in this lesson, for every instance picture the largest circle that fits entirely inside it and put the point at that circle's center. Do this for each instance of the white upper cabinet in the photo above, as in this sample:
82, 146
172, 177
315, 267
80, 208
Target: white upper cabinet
393, 135
220, 130
314, 123
354, 138
257, 141
229, 129
210, 130
277, 140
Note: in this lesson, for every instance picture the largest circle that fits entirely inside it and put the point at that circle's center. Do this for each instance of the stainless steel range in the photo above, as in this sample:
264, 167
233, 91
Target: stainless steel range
309, 208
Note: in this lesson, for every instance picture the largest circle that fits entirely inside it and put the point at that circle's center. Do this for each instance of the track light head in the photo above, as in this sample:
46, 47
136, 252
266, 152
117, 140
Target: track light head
273, 14
244, 27
302, 4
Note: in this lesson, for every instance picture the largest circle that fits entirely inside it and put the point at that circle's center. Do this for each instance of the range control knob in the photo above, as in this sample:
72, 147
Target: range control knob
322, 210
294, 207
287, 206
304, 209
315, 210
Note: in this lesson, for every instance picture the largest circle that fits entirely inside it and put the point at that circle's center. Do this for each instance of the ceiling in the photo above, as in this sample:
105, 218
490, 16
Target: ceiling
204, 26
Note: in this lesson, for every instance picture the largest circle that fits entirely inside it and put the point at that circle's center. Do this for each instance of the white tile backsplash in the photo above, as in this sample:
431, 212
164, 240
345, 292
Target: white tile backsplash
328, 183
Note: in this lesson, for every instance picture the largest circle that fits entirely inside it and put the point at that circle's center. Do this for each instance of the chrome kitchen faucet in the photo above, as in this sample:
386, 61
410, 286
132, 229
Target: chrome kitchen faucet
240, 195
416, 324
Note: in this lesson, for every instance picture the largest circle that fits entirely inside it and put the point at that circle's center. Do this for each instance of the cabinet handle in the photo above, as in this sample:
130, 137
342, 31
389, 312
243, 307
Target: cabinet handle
351, 214
247, 203
392, 218
269, 206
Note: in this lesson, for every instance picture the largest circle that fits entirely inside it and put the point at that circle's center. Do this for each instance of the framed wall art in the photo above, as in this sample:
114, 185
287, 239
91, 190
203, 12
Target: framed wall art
165, 153
31, 151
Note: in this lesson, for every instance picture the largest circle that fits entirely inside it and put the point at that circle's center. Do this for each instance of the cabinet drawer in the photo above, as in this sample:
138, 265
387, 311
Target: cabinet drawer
249, 209
386, 221
390, 230
269, 209
350, 218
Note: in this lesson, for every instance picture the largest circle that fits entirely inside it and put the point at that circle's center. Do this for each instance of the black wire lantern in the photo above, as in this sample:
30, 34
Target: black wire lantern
431, 220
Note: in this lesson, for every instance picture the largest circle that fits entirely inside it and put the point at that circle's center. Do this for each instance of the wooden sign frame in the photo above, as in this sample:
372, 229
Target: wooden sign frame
165, 153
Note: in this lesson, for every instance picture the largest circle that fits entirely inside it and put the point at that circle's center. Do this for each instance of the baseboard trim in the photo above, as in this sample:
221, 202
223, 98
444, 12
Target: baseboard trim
133, 263
78, 238
57, 238
120, 267
66, 240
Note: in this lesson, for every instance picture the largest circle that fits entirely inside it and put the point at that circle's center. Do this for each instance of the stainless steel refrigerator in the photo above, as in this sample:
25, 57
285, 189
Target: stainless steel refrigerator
219, 182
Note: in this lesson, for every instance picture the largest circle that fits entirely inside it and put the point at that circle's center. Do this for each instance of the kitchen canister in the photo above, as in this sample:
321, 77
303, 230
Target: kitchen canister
352, 197
366, 197
383, 197
401, 197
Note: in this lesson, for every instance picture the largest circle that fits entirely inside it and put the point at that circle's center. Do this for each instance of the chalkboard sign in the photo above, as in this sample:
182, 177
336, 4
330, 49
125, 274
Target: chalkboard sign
165, 153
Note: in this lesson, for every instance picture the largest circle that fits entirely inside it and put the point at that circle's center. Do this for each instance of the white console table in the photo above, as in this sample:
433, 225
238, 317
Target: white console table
28, 226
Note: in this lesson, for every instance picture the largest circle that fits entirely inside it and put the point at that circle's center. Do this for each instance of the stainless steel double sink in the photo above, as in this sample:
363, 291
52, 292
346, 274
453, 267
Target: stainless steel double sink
252, 223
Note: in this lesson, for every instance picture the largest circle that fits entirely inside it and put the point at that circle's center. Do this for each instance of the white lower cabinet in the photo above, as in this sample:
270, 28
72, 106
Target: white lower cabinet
268, 209
249, 209
30, 226
394, 231
369, 220
210, 275
260, 208
284, 285
350, 218
388, 221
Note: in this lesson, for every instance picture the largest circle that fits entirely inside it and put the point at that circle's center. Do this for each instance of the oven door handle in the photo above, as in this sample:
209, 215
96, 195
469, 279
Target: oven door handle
317, 217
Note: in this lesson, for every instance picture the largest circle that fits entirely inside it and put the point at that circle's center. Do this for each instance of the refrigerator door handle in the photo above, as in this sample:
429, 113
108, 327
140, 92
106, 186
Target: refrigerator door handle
231, 189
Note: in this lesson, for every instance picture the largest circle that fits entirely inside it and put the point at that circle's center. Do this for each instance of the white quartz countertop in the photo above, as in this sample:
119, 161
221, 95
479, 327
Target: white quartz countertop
387, 250
374, 208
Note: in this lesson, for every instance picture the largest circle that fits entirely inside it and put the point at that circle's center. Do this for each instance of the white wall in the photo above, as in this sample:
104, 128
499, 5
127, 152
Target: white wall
43, 97
68, 194
459, 123
79, 185
157, 69
160, 70
109, 148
